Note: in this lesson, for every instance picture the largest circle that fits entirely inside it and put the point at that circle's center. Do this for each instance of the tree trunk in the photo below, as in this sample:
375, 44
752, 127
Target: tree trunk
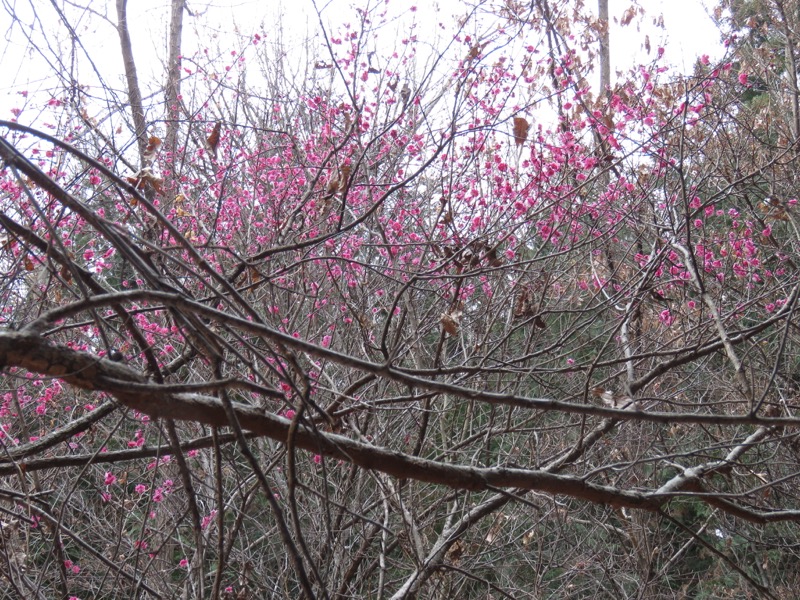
134, 94
791, 69
173, 90
605, 50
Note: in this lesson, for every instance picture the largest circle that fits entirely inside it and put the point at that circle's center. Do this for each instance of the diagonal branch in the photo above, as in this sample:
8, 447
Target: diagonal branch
87, 371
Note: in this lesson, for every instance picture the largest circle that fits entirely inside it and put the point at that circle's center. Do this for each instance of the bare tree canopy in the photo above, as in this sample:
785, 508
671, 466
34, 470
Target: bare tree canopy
425, 317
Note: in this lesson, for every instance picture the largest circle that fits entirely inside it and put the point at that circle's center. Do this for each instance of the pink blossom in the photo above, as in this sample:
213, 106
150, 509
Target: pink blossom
208, 519
110, 478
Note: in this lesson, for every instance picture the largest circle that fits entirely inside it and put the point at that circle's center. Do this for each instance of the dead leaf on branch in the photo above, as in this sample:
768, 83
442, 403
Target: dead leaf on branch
478, 250
446, 213
521, 127
628, 16
213, 139
332, 187
528, 537
7, 244
526, 307
344, 177
773, 209
255, 275
450, 254
153, 145
338, 184
456, 551
475, 51
612, 400
451, 321
496, 528
472, 255
144, 180
405, 94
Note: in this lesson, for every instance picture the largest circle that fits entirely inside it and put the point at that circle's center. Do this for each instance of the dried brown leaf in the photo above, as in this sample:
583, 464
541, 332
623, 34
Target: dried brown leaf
213, 139
526, 306
450, 322
475, 51
332, 187
145, 180
627, 16
344, 177
338, 184
521, 127
153, 145
612, 400
773, 209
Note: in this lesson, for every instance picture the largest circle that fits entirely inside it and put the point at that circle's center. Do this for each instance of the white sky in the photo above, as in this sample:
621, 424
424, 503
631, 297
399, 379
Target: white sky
688, 27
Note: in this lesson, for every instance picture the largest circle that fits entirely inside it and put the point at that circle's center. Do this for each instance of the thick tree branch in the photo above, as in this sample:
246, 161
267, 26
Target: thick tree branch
86, 371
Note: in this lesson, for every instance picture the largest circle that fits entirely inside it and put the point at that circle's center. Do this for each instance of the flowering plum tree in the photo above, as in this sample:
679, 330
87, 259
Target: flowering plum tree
425, 319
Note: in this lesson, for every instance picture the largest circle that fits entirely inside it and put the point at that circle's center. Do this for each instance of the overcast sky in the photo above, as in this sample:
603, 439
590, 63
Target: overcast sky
689, 30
